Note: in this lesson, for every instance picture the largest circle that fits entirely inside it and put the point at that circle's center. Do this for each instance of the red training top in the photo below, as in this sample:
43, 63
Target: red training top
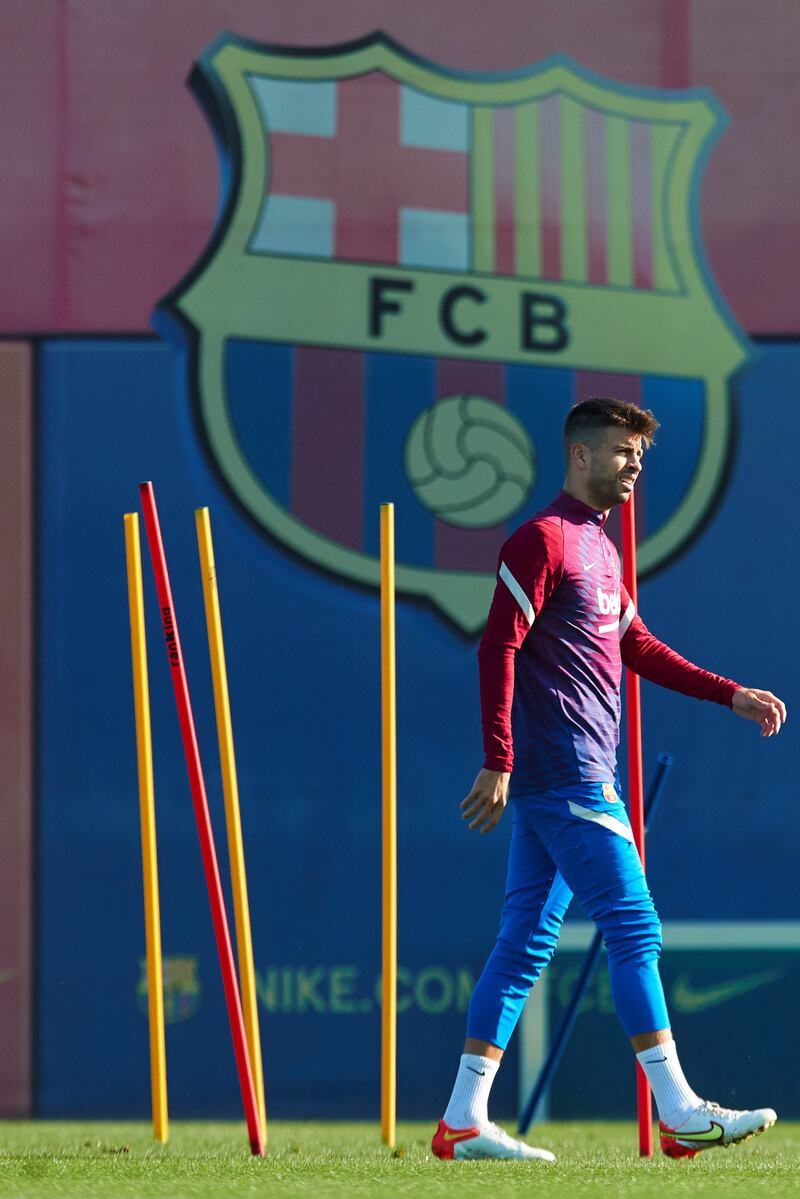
559, 629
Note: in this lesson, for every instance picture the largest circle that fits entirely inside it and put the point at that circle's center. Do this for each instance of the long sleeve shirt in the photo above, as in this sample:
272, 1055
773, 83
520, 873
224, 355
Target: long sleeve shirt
560, 627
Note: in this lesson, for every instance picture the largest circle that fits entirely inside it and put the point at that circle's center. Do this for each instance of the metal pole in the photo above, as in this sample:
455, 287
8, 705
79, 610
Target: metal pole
233, 820
202, 816
644, 1104
147, 818
389, 833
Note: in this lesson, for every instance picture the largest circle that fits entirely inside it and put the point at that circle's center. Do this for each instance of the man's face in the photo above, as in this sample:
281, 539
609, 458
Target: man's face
613, 466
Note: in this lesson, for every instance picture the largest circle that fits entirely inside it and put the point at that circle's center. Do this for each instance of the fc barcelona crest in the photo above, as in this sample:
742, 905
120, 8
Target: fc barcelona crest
416, 272
183, 991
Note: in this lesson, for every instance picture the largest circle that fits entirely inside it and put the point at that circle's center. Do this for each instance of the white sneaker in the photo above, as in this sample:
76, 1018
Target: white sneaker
710, 1126
488, 1141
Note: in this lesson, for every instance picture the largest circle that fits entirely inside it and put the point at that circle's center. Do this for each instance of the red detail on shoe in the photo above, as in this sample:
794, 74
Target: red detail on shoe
670, 1147
445, 1139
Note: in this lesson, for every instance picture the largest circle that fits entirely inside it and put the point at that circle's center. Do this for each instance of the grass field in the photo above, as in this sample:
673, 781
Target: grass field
114, 1159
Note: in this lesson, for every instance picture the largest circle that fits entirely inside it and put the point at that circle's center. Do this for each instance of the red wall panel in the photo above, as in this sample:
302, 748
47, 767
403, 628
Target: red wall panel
16, 672
30, 130
115, 184
747, 53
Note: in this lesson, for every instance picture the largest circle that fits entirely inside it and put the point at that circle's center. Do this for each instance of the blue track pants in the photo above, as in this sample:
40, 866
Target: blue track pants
571, 841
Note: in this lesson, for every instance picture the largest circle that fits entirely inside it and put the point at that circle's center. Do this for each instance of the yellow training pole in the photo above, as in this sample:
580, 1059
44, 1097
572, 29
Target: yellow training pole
230, 790
144, 757
389, 825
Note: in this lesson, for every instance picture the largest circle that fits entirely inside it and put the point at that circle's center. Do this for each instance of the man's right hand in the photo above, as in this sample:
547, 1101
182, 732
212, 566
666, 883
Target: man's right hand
484, 805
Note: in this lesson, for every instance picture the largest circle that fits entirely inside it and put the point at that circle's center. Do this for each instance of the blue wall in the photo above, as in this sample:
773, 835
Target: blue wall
304, 677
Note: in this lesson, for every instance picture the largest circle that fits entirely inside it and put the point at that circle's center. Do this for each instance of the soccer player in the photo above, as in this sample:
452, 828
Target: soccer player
560, 627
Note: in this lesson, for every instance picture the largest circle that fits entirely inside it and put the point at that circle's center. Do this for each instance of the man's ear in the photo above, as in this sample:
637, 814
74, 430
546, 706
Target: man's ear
577, 456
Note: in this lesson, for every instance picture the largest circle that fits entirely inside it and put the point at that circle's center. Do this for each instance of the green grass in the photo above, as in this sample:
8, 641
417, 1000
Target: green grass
114, 1159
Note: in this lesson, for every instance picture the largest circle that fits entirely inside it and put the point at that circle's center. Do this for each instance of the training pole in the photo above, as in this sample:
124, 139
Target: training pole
644, 1105
147, 818
389, 834
230, 791
202, 816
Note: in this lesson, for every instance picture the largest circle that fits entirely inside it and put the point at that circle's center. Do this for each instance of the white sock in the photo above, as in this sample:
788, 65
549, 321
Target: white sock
469, 1102
674, 1098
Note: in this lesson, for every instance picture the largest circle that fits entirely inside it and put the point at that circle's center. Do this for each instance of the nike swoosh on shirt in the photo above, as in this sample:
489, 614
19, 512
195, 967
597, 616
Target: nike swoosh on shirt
589, 565
696, 999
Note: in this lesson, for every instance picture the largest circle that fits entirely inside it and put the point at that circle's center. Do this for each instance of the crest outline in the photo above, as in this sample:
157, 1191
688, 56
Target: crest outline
220, 80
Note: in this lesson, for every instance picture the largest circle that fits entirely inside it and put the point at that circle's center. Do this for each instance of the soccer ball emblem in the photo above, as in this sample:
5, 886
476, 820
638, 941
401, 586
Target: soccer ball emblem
469, 461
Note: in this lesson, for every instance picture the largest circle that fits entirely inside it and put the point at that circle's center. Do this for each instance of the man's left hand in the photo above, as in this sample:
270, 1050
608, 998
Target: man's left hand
761, 706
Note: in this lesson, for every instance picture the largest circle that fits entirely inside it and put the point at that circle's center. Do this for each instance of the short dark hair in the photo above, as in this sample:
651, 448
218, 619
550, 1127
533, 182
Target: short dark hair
586, 419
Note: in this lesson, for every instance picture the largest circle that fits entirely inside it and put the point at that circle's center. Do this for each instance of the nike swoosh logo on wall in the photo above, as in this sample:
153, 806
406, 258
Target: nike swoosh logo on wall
687, 998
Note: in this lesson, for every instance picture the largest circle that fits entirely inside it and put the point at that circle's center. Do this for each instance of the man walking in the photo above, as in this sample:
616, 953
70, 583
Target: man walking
560, 628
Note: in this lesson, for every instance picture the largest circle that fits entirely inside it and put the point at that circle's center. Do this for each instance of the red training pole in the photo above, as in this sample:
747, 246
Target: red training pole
200, 802
636, 789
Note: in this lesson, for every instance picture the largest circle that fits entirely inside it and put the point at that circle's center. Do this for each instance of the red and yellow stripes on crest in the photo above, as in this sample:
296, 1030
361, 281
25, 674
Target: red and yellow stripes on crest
566, 192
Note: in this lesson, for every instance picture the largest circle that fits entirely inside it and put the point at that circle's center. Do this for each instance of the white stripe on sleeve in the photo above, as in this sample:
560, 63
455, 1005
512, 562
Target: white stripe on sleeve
626, 618
517, 592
